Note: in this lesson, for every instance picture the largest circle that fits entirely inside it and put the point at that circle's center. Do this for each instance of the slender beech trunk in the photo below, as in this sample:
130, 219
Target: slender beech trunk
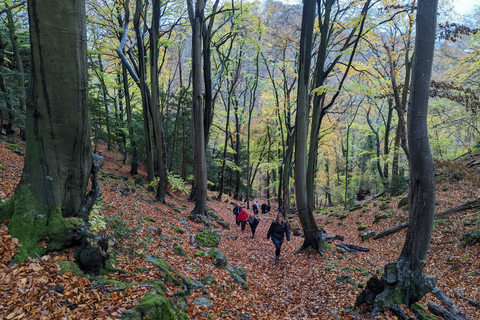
386, 148
143, 91
404, 281
320, 107
101, 77
313, 236
197, 20
157, 116
18, 60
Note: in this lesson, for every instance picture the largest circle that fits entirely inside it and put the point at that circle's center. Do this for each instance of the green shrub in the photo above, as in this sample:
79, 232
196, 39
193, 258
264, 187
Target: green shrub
96, 220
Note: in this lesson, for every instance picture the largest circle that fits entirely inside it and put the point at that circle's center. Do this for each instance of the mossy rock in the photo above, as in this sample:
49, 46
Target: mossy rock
155, 306
380, 216
359, 206
402, 203
239, 275
384, 206
219, 256
367, 235
69, 266
178, 230
209, 280
362, 227
179, 250
225, 225
200, 254
209, 238
343, 216
168, 273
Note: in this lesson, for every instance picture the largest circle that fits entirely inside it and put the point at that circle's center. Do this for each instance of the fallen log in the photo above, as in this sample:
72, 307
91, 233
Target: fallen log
390, 231
351, 247
448, 303
466, 206
338, 237
440, 311
355, 247
470, 301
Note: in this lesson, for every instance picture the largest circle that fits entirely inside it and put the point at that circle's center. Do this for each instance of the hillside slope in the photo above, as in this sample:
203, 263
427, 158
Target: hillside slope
302, 286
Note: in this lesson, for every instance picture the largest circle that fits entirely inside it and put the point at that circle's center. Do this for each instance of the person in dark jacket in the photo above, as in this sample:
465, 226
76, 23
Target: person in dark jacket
277, 230
264, 208
253, 221
243, 217
236, 211
255, 207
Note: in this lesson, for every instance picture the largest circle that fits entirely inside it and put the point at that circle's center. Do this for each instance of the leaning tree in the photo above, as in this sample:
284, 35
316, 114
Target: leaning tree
404, 282
58, 157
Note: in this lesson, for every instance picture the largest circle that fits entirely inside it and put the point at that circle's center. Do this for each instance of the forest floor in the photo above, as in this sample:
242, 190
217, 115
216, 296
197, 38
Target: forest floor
303, 286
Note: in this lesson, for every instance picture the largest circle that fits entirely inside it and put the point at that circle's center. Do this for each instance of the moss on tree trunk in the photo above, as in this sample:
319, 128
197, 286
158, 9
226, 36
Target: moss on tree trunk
31, 224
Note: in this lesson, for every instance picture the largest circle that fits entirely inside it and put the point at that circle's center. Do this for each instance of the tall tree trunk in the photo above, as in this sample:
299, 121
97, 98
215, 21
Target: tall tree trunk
377, 143
157, 117
18, 60
146, 102
207, 71
101, 77
386, 148
237, 194
121, 116
198, 136
347, 156
58, 155
406, 282
225, 147
400, 104
313, 236
131, 135
320, 108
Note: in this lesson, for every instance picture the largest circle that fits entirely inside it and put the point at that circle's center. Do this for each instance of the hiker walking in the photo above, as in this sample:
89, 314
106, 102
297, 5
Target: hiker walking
264, 208
236, 211
255, 207
277, 230
253, 221
243, 217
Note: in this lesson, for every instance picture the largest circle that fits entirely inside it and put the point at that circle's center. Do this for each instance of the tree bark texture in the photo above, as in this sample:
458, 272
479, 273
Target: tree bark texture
58, 154
198, 137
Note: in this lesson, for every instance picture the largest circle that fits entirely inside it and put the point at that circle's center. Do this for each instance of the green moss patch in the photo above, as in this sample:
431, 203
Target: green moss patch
209, 238
168, 273
178, 249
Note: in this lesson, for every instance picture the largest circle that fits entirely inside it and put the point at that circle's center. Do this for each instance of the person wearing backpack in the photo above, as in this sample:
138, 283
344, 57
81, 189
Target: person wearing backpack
253, 221
236, 211
277, 230
243, 217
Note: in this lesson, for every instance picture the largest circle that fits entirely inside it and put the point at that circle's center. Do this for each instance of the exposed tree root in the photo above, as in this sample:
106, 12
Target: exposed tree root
398, 285
315, 241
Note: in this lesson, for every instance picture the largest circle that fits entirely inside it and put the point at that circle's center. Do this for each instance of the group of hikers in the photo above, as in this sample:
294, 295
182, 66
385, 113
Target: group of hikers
277, 231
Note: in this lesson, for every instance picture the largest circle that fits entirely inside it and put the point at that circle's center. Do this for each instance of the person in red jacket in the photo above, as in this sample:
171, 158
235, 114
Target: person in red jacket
243, 217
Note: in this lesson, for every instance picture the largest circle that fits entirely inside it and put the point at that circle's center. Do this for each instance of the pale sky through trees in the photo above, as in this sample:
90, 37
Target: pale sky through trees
466, 6
462, 6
